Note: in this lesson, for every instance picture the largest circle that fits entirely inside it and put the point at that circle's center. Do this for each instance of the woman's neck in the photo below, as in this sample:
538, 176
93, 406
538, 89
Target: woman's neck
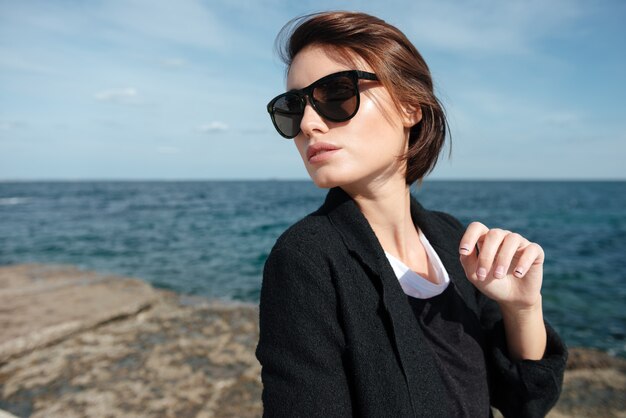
387, 208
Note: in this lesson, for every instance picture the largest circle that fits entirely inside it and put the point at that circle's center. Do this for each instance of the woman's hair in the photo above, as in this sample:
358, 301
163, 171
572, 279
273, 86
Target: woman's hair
396, 62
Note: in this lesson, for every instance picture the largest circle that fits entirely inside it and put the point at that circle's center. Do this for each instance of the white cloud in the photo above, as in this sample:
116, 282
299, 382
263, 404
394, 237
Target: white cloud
118, 95
122, 24
509, 27
214, 126
183, 22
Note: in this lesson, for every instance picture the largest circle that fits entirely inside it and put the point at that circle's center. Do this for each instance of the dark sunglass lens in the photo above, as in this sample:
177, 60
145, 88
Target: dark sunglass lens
336, 99
288, 111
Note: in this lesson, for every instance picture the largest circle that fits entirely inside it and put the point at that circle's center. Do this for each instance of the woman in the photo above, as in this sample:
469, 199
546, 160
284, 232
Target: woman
373, 306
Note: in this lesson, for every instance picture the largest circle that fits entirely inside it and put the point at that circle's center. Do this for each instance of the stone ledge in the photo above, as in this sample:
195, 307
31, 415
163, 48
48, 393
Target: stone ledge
96, 345
42, 305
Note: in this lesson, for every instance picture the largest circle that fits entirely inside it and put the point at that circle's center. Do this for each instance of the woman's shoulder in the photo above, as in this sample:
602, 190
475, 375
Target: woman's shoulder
309, 235
304, 252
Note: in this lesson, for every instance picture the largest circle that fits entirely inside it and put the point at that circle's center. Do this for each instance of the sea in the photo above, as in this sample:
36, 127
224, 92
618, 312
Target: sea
211, 238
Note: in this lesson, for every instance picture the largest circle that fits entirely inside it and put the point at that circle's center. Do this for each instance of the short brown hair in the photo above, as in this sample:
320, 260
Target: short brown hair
396, 62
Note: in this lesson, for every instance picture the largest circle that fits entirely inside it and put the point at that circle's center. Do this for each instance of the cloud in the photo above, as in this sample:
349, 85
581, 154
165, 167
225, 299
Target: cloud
118, 95
510, 27
187, 22
214, 126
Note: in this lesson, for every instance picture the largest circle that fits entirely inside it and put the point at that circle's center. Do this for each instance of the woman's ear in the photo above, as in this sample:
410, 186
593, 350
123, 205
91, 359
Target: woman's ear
411, 116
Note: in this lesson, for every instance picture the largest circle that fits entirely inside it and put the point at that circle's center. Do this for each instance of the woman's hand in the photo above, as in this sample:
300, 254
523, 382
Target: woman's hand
506, 268
509, 269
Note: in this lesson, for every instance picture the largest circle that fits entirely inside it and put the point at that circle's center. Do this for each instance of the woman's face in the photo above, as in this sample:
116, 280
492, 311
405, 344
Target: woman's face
360, 152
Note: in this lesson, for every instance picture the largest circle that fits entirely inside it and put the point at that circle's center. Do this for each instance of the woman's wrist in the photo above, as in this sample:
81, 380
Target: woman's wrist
525, 331
522, 313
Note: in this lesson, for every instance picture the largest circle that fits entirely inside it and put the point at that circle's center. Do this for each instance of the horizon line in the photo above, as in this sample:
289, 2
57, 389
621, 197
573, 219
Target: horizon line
277, 179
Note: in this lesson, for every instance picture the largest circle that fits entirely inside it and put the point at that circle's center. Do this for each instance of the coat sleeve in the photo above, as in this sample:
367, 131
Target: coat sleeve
301, 341
518, 388
521, 388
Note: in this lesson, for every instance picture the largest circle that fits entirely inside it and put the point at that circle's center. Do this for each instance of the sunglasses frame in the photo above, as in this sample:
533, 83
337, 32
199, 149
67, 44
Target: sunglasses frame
302, 95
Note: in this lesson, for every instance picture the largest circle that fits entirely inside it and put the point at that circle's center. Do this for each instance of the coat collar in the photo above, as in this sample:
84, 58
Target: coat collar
415, 356
360, 239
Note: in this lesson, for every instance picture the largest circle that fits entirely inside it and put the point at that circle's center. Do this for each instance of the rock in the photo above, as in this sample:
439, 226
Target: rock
588, 358
594, 386
81, 344
4, 414
129, 350
42, 304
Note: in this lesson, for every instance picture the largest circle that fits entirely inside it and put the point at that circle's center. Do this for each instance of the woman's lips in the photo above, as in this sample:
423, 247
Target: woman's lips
320, 152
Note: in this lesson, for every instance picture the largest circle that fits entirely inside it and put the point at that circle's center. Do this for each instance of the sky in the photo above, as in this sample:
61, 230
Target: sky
176, 90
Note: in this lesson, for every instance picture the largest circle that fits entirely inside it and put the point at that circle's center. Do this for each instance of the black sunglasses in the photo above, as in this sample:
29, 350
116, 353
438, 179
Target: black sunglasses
335, 97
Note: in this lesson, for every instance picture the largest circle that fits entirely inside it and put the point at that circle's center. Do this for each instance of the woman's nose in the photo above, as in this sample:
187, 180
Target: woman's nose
311, 121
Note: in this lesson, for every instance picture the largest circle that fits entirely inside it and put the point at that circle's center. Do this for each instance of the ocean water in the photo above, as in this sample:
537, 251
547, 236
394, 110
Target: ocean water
211, 238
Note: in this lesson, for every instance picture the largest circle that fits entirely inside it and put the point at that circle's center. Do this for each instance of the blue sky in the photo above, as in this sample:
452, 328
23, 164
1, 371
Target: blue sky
177, 89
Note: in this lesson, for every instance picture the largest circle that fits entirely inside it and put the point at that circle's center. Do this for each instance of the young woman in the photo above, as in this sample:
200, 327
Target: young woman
373, 306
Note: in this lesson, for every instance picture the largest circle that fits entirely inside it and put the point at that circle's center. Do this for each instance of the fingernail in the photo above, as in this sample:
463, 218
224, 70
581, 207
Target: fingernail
499, 273
464, 249
481, 273
519, 271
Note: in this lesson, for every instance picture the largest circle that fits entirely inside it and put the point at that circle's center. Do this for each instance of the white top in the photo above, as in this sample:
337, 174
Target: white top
415, 285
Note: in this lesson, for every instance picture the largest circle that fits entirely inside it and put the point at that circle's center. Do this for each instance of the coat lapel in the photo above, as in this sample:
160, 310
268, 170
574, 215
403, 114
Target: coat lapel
445, 240
414, 355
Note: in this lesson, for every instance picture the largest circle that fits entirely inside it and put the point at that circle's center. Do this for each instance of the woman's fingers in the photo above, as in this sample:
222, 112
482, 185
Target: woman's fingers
497, 250
473, 232
488, 250
502, 264
531, 254
510, 246
479, 266
468, 248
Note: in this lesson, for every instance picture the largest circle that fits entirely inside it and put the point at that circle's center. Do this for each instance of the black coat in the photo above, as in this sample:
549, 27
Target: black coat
338, 337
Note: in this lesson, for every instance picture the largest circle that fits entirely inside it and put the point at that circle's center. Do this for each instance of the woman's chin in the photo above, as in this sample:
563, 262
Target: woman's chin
327, 177
324, 182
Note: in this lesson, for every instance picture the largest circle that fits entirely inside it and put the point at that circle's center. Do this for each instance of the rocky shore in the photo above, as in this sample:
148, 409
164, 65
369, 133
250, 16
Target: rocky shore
77, 343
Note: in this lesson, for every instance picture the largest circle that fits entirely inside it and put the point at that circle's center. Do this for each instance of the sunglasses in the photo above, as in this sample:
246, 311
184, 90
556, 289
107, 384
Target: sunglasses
334, 97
